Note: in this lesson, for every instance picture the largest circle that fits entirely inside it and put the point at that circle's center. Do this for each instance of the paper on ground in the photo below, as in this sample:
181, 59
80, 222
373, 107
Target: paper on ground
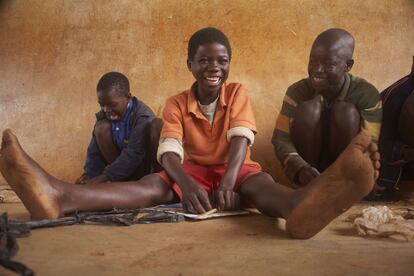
382, 222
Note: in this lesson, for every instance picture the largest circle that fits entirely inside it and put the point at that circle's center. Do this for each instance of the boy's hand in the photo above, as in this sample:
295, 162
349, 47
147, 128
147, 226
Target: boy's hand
83, 179
195, 199
306, 175
226, 199
407, 157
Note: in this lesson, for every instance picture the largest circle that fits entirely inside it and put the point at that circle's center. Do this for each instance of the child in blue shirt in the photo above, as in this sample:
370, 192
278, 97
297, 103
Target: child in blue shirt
120, 139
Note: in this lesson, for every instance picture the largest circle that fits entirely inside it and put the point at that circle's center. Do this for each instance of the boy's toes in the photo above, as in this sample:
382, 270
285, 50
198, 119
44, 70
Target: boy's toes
377, 164
376, 174
375, 156
362, 139
8, 136
373, 147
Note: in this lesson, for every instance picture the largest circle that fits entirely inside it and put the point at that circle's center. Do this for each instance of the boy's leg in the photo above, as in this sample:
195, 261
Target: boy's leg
47, 197
407, 133
405, 124
309, 209
306, 130
103, 136
344, 125
155, 131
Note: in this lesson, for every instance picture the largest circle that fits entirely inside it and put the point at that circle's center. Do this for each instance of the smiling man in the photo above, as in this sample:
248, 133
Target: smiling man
322, 113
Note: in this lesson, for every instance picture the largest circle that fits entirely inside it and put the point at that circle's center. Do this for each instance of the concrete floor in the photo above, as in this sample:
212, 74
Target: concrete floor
248, 245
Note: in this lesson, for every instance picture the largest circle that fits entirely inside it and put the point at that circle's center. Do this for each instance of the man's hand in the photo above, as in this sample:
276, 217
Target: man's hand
306, 175
195, 199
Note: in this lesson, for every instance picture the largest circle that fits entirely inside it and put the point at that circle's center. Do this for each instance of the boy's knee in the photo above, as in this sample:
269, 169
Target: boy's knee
309, 110
405, 128
346, 115
255, 183
408, 107
156, 188
102, 128
308, 113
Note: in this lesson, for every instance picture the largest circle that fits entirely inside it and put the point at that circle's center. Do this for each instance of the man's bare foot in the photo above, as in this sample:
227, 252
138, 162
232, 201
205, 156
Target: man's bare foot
29, 181
346, 181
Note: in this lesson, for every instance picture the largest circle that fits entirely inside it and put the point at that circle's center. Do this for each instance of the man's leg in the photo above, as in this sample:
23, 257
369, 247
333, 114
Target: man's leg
306, 130
309, 209
344, 125
405, 124
47, 197
103, 136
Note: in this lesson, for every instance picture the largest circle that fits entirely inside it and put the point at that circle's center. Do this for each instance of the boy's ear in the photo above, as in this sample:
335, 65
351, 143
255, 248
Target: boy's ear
349, 64
189, 64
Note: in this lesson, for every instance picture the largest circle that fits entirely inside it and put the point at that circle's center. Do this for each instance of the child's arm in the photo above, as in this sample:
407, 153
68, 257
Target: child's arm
295, 167
133, 156
94, 163
226, 198
170, 154
195, 198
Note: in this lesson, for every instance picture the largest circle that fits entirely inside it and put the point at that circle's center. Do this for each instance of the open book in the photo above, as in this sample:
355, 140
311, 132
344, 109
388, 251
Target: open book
213, 213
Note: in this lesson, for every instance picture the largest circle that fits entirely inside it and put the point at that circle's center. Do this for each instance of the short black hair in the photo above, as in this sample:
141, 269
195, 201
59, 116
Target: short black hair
205, 36
114, 80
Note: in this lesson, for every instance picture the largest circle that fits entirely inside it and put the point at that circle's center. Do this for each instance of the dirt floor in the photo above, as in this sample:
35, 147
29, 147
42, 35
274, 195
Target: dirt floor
245, 245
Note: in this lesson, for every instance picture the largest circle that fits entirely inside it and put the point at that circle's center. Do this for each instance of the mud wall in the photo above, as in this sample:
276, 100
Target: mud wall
52, 54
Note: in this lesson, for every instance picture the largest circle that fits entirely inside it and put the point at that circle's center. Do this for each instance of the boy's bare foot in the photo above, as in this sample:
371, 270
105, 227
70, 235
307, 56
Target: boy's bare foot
30, 182
346, 181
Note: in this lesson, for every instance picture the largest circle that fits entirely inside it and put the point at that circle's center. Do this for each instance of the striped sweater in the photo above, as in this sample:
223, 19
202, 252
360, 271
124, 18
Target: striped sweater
357, 91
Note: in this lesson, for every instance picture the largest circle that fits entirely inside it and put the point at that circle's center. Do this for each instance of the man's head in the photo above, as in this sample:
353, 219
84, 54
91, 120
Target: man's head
209, 55
113, 95
330, 59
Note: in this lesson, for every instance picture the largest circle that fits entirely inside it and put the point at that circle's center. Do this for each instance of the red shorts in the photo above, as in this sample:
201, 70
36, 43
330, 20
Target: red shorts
209, 176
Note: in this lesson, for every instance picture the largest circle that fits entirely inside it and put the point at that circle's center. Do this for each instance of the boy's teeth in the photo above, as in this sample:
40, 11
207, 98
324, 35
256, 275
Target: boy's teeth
212, 78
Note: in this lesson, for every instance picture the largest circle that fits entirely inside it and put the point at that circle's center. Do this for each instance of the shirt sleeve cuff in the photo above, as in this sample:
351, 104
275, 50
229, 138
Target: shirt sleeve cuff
241, 131
292, 165
170, 145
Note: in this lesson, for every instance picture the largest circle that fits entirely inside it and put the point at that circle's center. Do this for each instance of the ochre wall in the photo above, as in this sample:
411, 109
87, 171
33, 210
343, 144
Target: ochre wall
52, 54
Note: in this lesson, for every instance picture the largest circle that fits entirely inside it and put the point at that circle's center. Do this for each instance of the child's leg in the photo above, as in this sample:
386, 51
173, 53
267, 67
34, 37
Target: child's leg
308, 210
344, 125
405, 124
103, 136
155, 131
306, 130
47, 197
